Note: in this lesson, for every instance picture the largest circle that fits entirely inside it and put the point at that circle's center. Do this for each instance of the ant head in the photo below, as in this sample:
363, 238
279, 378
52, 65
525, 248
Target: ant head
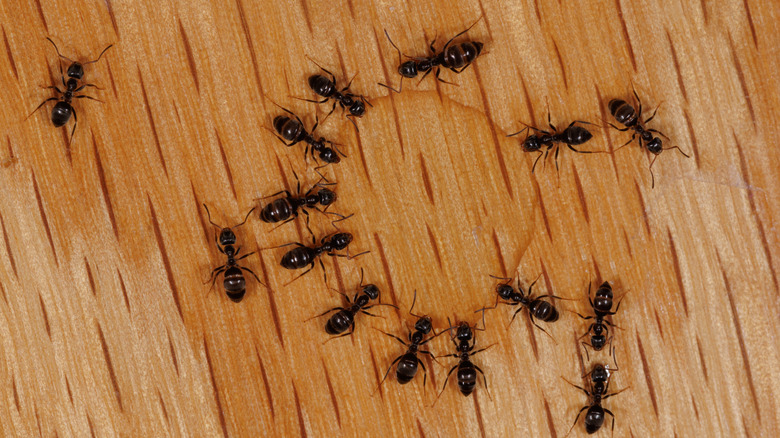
505, 291
371, 290
321, 85
227, 237
358, 108
464, 333
329, 156
655, 146
408, 69
341, 240
76, 70
424, 325
327, 196
532, 143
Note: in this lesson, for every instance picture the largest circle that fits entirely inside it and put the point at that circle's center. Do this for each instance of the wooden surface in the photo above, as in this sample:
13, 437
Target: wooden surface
107, 327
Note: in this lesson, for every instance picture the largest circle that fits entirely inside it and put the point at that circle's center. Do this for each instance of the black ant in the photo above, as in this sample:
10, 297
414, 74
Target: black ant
60, 114
467, 371
537, 308
572, 136
456, 58
625, 114
355, 104
407, 362
302, 255
234, 282
599, 385
345, 317
285, 209
292, 130
602, 306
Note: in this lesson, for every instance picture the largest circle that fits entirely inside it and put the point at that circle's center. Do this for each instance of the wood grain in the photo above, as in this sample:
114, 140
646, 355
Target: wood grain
107, 326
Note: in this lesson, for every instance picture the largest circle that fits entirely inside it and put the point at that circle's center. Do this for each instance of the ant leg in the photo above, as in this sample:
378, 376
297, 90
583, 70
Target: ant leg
549, 122
351, 118
324, 313
484, 379
633, 137
84, 96
287, 244
215, 273
467, 29
342, 217
639, 113
304, 273
613, 419
400, 84
423, 77
42, 103
253, 274
533, 321
332, 77
75, 122
578, 417
388, 372
652, 115
445, 381
619, 129
393, 336
659, 133
514, 315
438, 71
557, 149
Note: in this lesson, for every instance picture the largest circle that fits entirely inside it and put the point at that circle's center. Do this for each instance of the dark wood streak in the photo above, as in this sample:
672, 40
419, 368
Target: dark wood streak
426, 180
528, 104
113, 18
538, 13
43, 218
532, 335
695, 408
581, 194
434, 245
152, 124
677, 272
494, 134
544, 217
91, 428
351, 9
104, 187
124, 290
45, 316
164, 254
376, 374
265, 384
644, 208
90, 278
8, 247
701, 359
658, 323
252, 54
694, 143
300, 413
596, 270
560, 63
610, 146
174, 358
742, 83
420, 428
305, 8
750, 21
650, 387
751, 200
111, 372
10, 55
740, 336
68, 151
704, 10
2, 291
550, 422
386, 267
216, 391
40, 14
274, 312
478, 412
626, 37
680, 82
111, 77
16, 394
431, 375
225, 163
67, 387
164, 410
190, 57
363, 158
332, 394
499, 254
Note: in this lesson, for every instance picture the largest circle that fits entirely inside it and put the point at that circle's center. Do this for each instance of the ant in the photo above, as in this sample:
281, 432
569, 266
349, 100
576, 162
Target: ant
407, 362
456, 58
599, 385
537, 308
602, 306
302, 255
285, 209
234, 282
625, 114
345, 317
294, 132
573, 135
467, 371
354, 103
60, 114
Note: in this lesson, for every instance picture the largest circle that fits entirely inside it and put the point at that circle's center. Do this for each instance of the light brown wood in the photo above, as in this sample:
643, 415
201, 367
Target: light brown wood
108, 328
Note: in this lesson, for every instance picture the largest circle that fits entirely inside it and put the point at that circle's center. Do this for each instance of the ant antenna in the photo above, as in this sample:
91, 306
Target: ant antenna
99, 56
209, 215
58, 50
